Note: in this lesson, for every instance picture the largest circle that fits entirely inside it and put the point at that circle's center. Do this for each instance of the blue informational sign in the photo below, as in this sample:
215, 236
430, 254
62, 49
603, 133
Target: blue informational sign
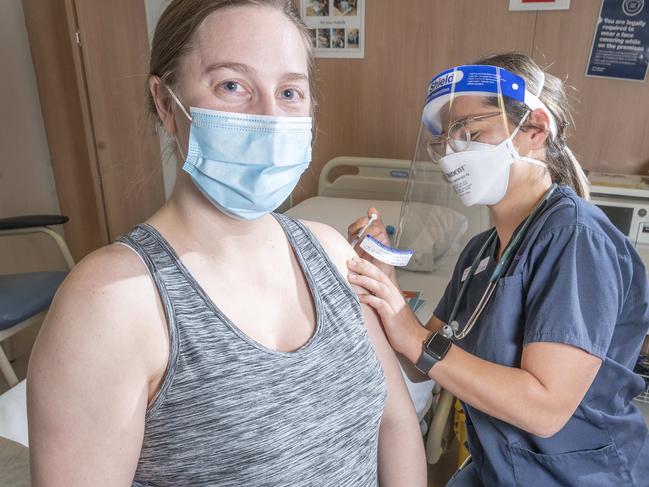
621, 45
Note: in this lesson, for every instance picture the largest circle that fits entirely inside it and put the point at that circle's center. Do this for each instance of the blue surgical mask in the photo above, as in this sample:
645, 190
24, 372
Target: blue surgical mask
246, 165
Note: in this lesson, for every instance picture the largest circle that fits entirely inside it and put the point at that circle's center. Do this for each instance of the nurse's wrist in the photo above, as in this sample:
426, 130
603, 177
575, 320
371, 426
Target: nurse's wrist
417, 339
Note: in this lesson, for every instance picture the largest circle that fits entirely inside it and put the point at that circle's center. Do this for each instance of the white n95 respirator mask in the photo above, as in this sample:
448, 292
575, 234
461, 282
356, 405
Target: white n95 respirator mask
480, 173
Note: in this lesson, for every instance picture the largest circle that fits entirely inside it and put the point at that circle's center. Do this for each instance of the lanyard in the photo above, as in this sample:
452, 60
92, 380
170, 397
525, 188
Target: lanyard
453, 327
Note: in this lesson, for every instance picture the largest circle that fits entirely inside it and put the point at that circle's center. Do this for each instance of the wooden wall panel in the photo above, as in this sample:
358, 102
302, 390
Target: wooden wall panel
611, 116
50, 39
115, 50
372, 106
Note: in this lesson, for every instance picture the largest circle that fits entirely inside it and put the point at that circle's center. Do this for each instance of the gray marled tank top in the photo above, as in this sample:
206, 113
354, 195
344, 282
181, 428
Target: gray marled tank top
232, 412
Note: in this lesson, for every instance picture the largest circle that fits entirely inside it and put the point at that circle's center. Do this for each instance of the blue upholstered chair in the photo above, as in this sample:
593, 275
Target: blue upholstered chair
25, 298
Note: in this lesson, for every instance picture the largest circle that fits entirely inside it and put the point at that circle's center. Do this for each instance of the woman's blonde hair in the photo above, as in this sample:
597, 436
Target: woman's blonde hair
561, 162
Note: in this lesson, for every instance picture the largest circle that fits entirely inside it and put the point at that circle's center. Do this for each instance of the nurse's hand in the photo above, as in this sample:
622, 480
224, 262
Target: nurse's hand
378, 231
401, 326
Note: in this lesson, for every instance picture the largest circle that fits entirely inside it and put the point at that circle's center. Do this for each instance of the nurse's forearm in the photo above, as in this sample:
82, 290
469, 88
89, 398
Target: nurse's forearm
510, 394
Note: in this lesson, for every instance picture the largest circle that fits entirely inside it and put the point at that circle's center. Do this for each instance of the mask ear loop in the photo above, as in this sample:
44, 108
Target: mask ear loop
511, 138
189, 117
180, 105
520, 124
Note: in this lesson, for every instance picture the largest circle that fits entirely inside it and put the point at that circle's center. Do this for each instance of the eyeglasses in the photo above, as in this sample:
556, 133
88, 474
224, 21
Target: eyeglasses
458, 137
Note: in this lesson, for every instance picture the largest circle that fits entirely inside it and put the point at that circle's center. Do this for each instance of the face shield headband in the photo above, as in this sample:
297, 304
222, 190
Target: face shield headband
477, 80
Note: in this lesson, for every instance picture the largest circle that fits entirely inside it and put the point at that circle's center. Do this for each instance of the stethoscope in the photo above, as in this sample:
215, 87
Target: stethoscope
452, 329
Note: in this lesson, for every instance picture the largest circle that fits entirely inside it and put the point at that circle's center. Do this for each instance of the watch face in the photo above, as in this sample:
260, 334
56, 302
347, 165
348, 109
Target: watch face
437, 345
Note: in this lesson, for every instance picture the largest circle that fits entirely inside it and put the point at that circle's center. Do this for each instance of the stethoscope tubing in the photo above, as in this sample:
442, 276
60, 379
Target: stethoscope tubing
451, 330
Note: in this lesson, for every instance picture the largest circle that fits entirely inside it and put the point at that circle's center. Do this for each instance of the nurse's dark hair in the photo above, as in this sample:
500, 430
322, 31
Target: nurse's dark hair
175, 29
562, 164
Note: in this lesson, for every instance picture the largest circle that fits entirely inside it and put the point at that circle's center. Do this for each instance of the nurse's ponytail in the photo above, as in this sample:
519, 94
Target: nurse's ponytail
562, 164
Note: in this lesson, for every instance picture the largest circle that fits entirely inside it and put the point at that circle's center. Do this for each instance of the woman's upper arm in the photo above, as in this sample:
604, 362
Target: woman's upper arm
340, 252
398, 401
88, 378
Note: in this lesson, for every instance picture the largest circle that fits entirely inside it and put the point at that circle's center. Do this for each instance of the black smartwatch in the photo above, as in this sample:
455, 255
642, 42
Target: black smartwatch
433, 349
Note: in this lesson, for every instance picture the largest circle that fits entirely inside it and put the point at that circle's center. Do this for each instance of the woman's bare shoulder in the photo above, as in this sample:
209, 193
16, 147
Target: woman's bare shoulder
331, 240
107, 278
107, 303
333, 243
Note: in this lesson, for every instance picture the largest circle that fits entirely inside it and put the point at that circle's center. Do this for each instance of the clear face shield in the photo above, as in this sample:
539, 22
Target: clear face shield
461, 161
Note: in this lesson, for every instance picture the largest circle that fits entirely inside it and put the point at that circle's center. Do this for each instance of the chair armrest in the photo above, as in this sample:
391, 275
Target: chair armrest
31, 221
38, 224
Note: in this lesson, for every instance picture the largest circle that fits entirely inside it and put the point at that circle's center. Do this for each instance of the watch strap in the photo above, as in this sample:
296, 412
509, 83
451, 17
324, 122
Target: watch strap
426, 360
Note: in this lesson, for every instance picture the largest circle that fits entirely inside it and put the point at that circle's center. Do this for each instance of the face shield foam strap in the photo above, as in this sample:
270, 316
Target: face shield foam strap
477, 80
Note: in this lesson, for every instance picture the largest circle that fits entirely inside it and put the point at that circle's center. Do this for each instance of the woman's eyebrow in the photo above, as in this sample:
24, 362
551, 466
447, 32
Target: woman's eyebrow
295, 77
246, 69
243, 68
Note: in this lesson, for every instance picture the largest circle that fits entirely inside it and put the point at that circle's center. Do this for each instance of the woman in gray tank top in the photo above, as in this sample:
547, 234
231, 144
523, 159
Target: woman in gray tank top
218, 343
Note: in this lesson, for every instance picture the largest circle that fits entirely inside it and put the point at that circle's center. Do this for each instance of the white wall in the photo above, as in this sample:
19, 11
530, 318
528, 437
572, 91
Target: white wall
26, 179
153, 10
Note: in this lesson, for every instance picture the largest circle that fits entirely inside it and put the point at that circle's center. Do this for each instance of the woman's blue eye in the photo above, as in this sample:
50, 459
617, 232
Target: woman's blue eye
231, 85
288, 94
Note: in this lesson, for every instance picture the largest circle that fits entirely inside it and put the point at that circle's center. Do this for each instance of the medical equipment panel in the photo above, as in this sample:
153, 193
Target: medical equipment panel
625, 200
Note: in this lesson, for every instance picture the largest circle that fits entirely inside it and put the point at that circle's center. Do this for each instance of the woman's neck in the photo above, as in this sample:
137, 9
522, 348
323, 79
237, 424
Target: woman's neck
517, 205
191, 220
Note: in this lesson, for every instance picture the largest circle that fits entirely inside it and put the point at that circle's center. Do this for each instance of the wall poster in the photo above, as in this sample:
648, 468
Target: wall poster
621, 44
337, 27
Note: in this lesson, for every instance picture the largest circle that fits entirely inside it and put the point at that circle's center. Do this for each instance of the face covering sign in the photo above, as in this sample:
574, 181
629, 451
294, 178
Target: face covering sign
621, 44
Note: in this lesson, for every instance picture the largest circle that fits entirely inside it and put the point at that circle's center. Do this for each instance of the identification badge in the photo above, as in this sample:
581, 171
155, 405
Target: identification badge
385, 254
481, 267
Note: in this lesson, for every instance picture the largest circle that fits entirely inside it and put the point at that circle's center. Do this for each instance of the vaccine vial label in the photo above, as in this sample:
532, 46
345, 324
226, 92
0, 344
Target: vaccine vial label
385, 254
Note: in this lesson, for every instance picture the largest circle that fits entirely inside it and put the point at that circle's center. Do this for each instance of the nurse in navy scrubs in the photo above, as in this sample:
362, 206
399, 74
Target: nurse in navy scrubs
538, 342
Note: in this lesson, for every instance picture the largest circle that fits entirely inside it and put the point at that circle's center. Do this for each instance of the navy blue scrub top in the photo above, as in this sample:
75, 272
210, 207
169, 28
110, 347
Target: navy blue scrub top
577, 280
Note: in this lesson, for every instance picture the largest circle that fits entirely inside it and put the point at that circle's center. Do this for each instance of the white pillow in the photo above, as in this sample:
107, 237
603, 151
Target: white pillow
433, 232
